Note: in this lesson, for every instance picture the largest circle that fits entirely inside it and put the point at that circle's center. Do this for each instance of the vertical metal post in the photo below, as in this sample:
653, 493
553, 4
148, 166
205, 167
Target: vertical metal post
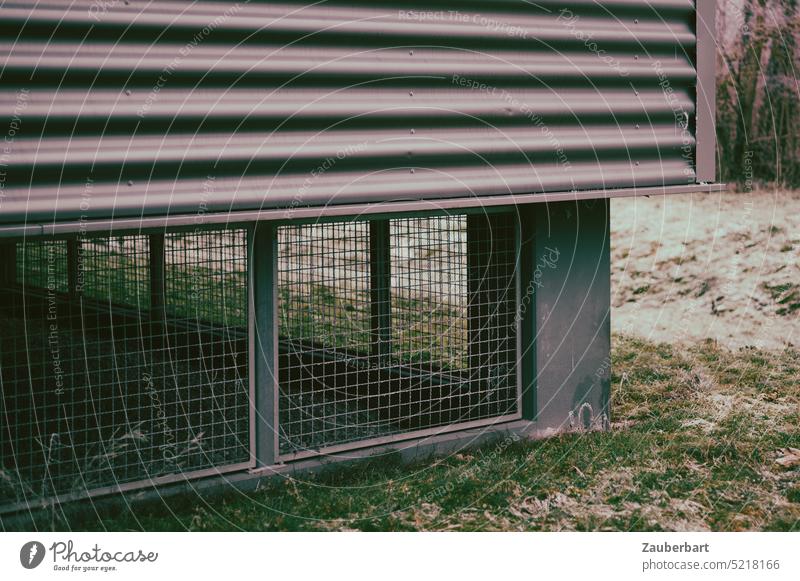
158, 283
73, 268
526, 307
8, 263
481, 300
491, 290
380, 274
706, 55
263, 338
491, 302
570, 276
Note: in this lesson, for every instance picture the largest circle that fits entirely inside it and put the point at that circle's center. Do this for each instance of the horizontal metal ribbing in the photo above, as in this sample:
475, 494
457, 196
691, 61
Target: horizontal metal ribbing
213, 7
250, 19
358, 146
178, 106
229, 194
113, 106
291, 63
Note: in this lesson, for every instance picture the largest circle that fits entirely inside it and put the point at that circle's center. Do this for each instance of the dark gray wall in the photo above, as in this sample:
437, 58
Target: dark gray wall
568, 288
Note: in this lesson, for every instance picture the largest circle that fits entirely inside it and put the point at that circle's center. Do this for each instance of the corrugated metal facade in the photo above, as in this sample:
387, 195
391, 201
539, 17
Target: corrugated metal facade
121, 108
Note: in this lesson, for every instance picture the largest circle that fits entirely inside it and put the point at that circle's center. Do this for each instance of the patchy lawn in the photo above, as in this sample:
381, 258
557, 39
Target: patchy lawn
722, 266
701, 440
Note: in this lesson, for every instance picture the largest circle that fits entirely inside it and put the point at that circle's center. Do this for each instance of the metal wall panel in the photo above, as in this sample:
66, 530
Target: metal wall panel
121, 109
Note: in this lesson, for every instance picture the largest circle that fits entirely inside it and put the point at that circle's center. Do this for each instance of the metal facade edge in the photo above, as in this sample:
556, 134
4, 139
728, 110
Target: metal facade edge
297, 215
705, 130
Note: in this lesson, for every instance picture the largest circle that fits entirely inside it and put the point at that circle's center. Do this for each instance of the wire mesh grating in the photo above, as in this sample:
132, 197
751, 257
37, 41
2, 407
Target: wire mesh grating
392, 326
126, 357
113, 373
114, 270
43, 264
206, 276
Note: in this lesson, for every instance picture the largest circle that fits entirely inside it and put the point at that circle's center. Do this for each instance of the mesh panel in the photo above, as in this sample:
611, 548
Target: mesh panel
119, 381
43, 264
324, 285
206, 276
388, 327
125, 358
115, 270
324, 323
429, 291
